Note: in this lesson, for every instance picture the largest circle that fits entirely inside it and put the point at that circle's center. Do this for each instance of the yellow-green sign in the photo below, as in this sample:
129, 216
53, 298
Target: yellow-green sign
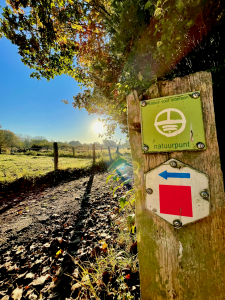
172, 123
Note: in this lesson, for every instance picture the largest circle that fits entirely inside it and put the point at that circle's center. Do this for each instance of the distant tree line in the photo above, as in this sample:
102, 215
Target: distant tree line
8, 139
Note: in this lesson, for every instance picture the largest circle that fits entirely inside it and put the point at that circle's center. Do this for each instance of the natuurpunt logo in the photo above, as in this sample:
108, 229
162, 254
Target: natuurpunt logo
170, 127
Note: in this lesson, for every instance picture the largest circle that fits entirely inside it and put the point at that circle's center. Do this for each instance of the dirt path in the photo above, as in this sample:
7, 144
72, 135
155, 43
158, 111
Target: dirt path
69, 219
31, 215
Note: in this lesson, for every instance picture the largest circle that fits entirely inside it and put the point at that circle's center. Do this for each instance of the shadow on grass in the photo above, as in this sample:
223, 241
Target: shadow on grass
13, 192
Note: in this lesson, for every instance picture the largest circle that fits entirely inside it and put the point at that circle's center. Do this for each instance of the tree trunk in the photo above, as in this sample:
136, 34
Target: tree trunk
186, 263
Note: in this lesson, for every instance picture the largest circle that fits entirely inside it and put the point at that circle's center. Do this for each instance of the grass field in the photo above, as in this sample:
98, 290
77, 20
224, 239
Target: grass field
79, 153
13, 167
34, 164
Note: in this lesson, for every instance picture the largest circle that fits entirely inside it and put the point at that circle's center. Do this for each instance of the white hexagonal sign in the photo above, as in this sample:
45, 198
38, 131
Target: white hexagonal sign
177, 193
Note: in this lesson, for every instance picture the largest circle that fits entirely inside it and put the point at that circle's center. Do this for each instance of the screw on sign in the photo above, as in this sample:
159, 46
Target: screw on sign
180, 194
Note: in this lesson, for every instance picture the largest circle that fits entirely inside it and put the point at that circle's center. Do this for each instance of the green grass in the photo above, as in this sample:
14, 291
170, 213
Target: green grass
79, 153
13, 167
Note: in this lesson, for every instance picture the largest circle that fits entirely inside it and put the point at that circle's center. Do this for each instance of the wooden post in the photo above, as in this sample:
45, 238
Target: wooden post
73, 152
186, 263
55, 147
110, 154
93, 153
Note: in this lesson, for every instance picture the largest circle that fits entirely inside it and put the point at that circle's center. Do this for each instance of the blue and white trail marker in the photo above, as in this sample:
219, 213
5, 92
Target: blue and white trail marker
166, 175
177, 192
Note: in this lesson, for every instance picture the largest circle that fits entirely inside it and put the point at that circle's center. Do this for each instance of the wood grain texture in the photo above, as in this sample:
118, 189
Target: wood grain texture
188, 263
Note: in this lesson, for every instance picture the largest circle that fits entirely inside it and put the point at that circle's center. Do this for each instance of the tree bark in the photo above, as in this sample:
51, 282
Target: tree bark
186, 263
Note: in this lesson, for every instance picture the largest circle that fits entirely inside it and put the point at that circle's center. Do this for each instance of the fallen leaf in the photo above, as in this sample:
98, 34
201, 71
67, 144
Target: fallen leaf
86, 279
75, 286
48, 287
22, 275
59, 253
104, 246
46, 245
30, 275
76, 273
20, 249
32, 296
45, 269
17, 293
11, 268
54, 279
29, 292
33, 246
40, 280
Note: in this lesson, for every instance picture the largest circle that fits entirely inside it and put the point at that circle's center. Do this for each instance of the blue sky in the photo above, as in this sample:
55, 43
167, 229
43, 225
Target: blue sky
32, 107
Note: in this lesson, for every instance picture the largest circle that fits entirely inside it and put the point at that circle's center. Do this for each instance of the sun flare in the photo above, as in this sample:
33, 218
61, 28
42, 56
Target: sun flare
98, 127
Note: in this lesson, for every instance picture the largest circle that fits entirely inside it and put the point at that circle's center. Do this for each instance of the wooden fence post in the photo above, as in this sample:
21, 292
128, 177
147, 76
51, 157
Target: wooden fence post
56, 155
93, 153
186, 263
73, 152
110, 154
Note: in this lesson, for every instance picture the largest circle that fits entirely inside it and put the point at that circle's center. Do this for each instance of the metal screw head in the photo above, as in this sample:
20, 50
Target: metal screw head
173, 164
177, 223
143, 103
145, 148
204, 195
195, 95
200, 145
149, 191
154, 210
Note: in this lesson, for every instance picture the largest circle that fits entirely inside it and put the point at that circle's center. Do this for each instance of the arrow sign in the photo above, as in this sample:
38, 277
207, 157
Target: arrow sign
166, 175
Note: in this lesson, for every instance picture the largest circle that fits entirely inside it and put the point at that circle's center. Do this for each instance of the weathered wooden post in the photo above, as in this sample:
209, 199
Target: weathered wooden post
93, 153
110, 154
56, 155
73, 152
178, 259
